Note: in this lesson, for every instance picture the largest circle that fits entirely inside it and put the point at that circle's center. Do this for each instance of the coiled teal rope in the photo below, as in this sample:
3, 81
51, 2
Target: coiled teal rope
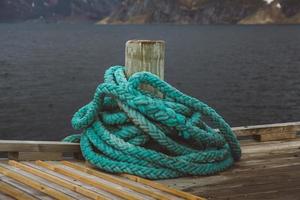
130, 130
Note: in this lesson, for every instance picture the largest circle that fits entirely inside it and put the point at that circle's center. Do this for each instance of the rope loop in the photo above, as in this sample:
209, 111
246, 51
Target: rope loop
126, 129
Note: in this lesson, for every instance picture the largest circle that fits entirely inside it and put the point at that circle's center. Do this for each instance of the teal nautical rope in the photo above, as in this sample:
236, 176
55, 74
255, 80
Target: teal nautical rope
129, 130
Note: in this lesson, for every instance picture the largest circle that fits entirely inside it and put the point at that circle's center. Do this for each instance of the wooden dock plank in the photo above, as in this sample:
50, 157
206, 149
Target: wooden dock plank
13, 192
34, 184
271, 146
56, 180
5, 197
244, 185
275, 136
74, 181
289, 127
162, 187
38, 146
114, 180
25, 188
269, 170
35, 155
92, 182
171, 193
33, 177
108, 183
131, 182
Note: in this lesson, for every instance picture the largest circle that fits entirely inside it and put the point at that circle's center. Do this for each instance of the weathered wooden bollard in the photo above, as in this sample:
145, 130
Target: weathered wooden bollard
145, 55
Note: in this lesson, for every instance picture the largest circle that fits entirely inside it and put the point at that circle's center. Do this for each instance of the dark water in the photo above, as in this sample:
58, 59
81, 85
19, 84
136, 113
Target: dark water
250, 74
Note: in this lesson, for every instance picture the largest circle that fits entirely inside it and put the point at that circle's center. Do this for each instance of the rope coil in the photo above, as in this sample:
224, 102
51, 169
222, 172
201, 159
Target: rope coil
129, 130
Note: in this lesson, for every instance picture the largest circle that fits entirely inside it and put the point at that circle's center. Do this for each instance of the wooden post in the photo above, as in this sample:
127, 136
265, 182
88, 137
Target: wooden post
145, 55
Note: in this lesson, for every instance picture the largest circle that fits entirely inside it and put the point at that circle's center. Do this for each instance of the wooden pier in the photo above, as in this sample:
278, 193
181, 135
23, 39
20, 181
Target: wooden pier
267, 170
269, 167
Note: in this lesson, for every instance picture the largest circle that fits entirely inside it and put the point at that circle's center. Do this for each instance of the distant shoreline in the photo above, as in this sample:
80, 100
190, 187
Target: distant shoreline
67, 22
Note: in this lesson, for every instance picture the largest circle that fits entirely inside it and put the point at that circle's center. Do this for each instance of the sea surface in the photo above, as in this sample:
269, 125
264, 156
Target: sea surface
249, 74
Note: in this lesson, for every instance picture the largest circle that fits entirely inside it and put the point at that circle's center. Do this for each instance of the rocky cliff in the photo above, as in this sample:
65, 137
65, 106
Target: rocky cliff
206, 12
275, 12
153, 11
267, 14
183, 11
56, 10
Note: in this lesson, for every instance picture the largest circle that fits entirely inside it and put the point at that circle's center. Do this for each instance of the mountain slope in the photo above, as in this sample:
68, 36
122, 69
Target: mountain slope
54, 10
183, 11
152, 11
293, 20
268, 14
205, 12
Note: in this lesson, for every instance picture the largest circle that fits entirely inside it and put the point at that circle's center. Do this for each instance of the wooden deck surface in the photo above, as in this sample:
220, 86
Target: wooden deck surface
72, 179
267, 170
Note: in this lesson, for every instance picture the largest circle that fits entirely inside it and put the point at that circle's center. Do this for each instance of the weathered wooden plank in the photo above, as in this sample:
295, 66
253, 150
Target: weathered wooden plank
114, 180
13, 192
58, 181
272, 146
84, 179
290, 127
38, 146
266, 163
131, 182
35, 155
275, 136
51, 146
108, 183
25, 188
162, 187
5, 197
233, 184
272, 172
72, 180
291, 193
260, 184
49, 184
34, 184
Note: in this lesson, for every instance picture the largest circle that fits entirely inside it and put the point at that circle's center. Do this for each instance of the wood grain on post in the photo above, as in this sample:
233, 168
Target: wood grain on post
145, 55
